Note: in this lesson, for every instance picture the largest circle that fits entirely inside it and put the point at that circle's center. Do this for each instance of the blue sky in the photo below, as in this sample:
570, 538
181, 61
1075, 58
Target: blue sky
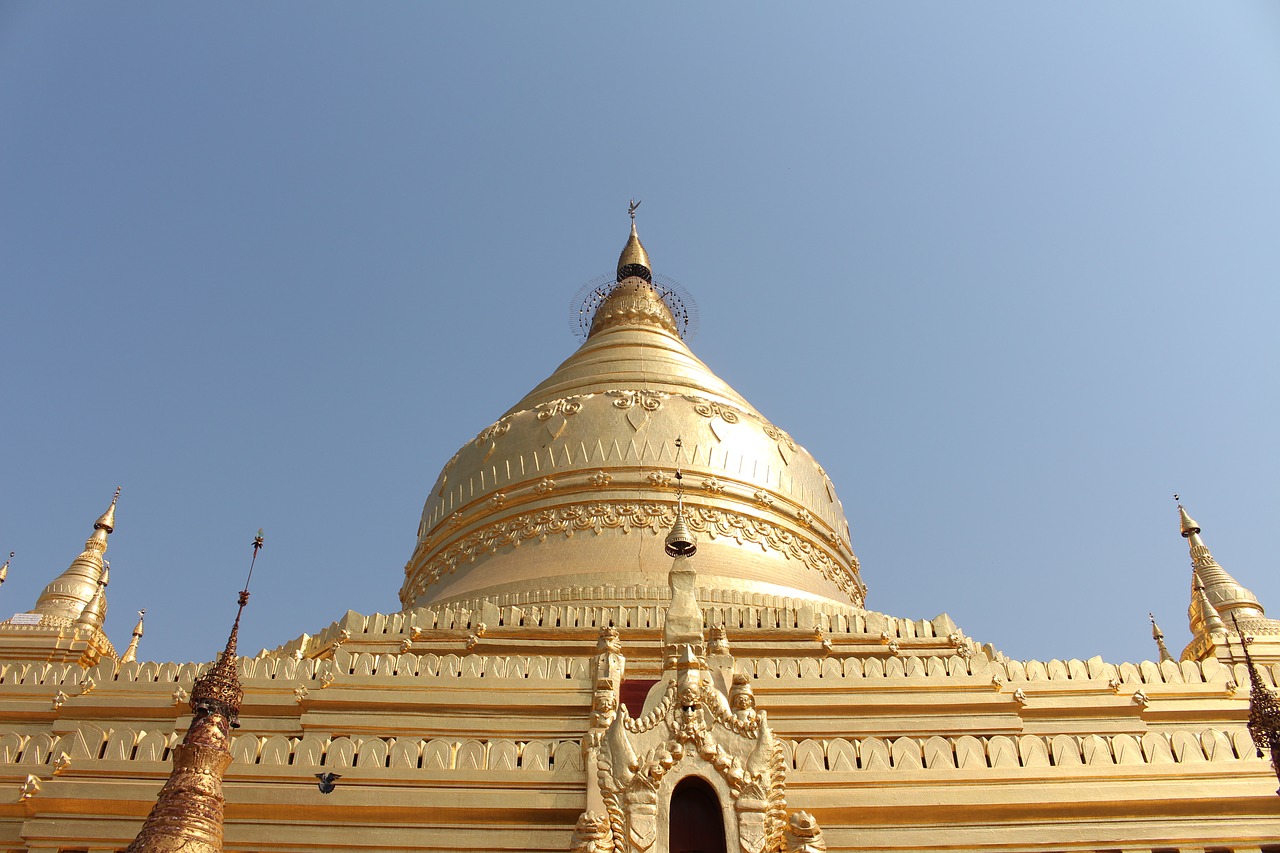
1008, 270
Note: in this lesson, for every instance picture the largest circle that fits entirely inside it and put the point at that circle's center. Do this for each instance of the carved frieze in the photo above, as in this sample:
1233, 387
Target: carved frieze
567, 407
650, 401
629, 517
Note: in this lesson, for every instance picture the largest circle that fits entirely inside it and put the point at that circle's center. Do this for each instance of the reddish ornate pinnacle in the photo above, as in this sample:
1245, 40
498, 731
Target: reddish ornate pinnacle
187, 816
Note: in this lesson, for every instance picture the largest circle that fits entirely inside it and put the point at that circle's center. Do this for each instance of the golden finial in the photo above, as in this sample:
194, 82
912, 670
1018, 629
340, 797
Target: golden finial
4, 570
131, 653
107, 521
1158, 636
1188, 523
634, 260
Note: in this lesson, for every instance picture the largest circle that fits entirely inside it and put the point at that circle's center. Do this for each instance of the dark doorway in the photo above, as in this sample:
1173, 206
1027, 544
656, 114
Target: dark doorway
633, 693
697, 824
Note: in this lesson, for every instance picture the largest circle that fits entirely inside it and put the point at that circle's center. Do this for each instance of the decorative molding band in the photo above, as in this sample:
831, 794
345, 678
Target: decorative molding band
588, 481
630, 516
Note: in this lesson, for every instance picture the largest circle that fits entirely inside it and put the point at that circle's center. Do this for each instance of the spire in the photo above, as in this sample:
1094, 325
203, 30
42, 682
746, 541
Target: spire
4, 570
1158, 636
71, 592
107, 521
131, 653
187, 815
1205, 619
634, 260
1221, 589
95, 612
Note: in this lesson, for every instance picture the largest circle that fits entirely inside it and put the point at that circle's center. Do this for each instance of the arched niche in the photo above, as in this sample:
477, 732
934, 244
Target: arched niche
697, 817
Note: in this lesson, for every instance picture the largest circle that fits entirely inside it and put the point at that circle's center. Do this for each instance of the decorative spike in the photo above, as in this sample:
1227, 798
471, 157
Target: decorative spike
131, 653
1158, 636
4, 570
187, 815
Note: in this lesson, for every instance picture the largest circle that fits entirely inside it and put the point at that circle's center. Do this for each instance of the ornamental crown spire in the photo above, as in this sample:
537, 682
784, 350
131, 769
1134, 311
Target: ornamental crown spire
634, 260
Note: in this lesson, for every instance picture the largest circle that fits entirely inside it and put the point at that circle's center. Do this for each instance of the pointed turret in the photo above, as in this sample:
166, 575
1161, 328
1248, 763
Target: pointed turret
1158, 636
131, 653
65, 599
187, 816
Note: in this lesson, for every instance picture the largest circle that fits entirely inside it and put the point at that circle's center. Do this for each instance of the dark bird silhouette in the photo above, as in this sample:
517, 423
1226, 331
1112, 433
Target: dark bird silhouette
328, 781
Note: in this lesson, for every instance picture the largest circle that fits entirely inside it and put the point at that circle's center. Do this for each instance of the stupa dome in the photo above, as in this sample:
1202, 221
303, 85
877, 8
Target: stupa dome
569, 494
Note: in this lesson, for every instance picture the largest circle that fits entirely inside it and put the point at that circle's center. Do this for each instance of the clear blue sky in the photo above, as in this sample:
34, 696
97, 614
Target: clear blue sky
1008, 270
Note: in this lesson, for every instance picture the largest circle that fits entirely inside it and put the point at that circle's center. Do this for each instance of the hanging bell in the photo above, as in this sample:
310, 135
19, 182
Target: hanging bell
680, 541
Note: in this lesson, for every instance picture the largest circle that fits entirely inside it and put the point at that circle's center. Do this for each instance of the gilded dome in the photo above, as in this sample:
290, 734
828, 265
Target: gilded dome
569, 494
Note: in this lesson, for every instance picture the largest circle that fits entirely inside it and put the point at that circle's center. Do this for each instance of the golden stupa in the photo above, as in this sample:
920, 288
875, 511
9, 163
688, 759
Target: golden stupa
592, 448
633, 622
